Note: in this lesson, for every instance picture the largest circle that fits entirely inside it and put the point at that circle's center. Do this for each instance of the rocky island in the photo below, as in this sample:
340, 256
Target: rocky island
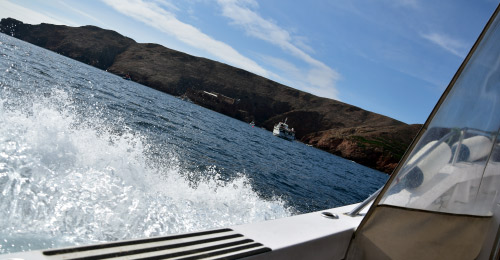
348, 131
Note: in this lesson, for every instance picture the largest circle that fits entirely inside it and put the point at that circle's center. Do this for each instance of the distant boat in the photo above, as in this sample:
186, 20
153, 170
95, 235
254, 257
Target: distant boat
252, 123
282, 130
127, 77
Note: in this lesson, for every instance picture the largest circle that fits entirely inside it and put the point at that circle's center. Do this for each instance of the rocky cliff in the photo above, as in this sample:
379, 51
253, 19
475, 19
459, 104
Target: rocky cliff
368, 138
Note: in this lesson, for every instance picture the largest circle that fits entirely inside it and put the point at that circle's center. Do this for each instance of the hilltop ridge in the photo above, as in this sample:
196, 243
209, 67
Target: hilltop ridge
368, 138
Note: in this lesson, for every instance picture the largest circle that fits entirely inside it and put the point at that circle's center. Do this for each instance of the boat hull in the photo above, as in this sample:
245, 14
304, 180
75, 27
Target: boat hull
283, 134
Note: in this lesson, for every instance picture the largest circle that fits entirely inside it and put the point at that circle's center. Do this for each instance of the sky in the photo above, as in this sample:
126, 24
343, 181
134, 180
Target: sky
392, 57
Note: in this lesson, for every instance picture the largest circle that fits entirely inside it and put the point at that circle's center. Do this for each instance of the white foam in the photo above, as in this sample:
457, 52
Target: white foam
71, 180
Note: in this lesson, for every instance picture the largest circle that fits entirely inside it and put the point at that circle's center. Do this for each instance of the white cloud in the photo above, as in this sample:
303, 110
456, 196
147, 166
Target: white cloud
167, 4
153, 15
78, 11
282, 65
321, 78
315, 80
451, 45
26, 15
301, 42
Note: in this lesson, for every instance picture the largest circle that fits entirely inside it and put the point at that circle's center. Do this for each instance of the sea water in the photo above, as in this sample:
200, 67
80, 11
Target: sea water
87, 157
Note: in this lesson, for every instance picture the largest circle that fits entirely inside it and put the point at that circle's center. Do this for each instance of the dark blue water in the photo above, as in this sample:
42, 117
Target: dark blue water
86, 156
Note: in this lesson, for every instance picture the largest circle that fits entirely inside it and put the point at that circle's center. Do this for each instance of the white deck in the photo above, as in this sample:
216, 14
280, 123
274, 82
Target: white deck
307, 236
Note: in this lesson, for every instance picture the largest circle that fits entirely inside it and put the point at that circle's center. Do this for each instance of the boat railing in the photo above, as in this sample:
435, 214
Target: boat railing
355, 211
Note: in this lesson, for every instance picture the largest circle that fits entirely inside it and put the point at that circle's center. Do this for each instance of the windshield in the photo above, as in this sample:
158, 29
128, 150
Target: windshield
455, 165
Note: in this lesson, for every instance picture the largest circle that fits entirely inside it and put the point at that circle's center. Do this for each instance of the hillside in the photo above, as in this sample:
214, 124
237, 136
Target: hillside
371, 139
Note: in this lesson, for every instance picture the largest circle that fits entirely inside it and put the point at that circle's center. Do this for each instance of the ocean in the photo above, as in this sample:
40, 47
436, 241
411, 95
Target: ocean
88, 157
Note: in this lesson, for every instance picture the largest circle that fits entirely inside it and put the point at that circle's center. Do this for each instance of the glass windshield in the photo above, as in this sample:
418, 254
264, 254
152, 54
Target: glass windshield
454, 167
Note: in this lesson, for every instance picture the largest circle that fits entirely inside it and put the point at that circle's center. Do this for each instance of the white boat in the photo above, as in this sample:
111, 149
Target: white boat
441, 202
282, 130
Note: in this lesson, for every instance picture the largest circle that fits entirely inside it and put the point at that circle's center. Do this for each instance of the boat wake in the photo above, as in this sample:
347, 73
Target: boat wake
67, 179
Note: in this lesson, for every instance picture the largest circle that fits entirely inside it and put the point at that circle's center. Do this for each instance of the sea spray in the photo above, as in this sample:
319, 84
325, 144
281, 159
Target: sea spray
74, 180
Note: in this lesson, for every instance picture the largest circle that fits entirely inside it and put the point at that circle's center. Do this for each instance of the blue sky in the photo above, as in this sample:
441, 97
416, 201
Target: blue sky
393, 57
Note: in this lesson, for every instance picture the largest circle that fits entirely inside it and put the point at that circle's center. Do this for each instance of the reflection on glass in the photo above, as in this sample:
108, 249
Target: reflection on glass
454, 174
